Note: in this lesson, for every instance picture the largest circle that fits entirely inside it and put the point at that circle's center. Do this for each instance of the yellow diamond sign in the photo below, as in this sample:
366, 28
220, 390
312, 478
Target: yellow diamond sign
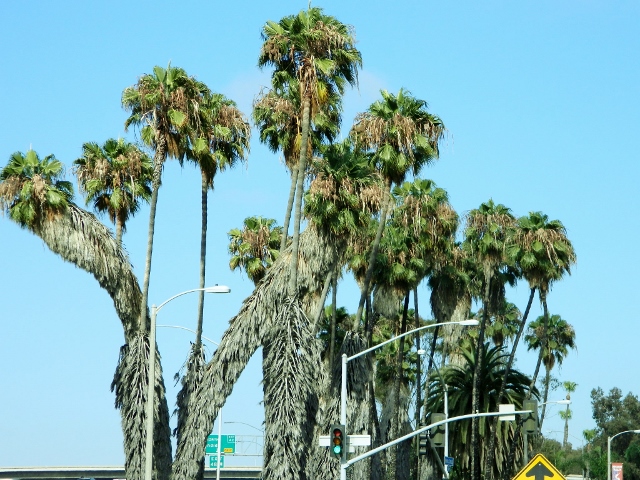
539, 468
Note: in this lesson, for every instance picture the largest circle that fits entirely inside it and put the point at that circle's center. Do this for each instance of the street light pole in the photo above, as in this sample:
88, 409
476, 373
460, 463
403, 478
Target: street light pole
148, 457
609, 450
345, 360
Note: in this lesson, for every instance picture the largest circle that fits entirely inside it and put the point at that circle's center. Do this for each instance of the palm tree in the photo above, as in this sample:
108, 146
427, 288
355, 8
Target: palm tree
36, 197
32, 189
218, 140
277, 115
460, 381
165, 107
542, 254
402, 136
569, 387
115, 177
553, 340
255, 247
320, 52
487, 234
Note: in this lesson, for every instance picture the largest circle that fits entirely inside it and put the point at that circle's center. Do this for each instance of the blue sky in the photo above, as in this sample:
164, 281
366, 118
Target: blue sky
541, 101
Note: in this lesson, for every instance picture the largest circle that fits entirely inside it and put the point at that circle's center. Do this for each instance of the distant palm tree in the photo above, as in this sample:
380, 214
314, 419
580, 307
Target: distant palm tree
569, 387
115, 178
255, 247
553, 340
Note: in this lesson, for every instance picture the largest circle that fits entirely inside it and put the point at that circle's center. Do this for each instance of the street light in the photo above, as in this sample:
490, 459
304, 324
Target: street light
609, 450
345, 360
148, 458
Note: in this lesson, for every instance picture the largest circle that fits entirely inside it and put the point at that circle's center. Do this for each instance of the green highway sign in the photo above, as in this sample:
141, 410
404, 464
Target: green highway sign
228, 444
213, 461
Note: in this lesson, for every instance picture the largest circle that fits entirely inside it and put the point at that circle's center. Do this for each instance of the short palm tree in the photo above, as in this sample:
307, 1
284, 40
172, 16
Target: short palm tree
553, 339
460, 382
115, 178
569, 387
255, 247
402, 137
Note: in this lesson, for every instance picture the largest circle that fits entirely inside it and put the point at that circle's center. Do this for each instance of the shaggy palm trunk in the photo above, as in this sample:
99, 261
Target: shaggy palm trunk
79, 238
565, 438
334, 303
297, 214
545, 395
287, 215
488, 469
247, 331
119, 229
374, 253
475, 402
188, 398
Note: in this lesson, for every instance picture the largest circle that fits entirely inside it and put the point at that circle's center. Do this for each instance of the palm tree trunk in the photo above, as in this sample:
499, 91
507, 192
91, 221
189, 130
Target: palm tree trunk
79, 238
374, 253
158, 161
287, 215
488, 468
247, 331
203, 258
565, 438
334, 313
475, 402
302, 166
401, 470
545, 396
119, 228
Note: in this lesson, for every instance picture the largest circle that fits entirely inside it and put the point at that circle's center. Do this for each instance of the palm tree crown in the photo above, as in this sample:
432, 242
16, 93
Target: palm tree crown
114, 178
32, 189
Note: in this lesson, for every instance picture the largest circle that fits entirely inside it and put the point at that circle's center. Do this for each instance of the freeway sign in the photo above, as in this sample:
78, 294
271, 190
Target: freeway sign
228, 444
213, 461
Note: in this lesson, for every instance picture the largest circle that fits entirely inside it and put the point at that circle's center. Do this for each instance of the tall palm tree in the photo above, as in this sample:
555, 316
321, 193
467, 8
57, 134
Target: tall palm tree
255, 247
488, 231
217, 140
402, 136
554, 339
115, 178
165, 107
320, 52
460, 381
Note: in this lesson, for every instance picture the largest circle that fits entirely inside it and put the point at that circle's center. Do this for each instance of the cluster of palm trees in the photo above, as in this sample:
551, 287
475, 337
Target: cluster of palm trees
368, 213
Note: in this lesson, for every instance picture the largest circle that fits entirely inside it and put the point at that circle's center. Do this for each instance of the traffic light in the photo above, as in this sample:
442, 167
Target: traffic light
338, 443
531, 420
438, 433
423, 442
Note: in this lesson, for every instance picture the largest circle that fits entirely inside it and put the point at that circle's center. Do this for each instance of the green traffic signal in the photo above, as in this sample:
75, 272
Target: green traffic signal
337, 440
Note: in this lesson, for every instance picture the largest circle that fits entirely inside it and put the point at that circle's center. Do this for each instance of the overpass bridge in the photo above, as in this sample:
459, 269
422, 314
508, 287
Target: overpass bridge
110, 473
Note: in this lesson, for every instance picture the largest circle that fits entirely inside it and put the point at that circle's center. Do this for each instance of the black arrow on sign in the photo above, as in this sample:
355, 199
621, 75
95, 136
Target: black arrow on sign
539, 472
